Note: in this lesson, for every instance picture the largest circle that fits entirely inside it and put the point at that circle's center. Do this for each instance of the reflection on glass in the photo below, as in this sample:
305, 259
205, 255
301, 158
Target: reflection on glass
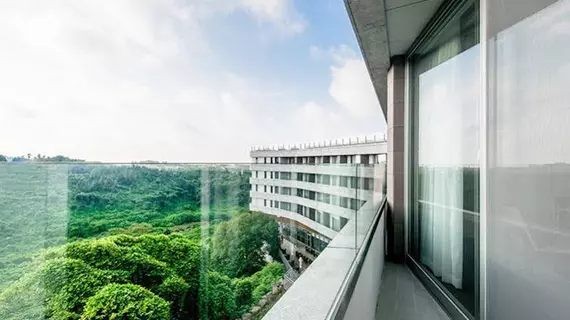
528, 224
445, 199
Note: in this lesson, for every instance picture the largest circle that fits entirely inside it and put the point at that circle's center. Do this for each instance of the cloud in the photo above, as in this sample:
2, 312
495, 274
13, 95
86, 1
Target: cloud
351, 86
282, 13
121, 81
279, 14
337, 54
138, 80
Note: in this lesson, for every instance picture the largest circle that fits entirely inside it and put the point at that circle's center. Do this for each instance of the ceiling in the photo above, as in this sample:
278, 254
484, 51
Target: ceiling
406, 19
387, 28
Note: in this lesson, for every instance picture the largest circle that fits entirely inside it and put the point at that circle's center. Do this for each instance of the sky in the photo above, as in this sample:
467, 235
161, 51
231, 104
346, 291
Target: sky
178, 80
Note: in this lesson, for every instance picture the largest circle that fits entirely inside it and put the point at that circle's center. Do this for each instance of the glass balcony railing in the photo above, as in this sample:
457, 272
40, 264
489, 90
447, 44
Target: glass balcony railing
166, 241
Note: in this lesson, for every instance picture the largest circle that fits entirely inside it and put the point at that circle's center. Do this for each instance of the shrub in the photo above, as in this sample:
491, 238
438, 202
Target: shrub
265, 279
243, 293
220, 297
174, 290
126, 302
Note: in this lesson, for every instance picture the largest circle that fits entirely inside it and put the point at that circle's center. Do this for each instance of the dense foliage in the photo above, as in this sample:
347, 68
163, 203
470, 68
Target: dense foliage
237, 244
131, 245
125, 301
106, 197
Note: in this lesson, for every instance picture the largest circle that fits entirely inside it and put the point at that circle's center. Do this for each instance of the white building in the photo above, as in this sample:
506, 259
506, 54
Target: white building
315, 189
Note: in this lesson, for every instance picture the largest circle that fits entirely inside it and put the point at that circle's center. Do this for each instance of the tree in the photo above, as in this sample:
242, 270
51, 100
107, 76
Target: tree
237, 244
68, 283
3, 158
126, 302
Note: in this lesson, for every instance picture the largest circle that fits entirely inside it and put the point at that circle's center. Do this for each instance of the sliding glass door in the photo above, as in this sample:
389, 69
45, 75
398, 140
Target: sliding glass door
445, 151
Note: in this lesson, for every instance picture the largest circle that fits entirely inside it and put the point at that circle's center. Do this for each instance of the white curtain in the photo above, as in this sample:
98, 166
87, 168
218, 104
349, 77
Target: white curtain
441, 223
441, 164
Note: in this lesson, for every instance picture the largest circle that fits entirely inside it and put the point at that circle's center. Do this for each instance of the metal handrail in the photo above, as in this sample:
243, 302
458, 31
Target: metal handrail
342, 300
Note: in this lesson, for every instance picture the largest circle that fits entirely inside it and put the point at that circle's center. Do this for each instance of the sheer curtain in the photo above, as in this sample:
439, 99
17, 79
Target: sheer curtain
442, 224
440, 165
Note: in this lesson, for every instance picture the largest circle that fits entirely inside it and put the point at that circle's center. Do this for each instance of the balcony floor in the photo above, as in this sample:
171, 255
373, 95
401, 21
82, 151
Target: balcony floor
403, 297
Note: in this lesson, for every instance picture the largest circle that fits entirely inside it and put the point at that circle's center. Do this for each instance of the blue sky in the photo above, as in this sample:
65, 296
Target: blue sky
179, 80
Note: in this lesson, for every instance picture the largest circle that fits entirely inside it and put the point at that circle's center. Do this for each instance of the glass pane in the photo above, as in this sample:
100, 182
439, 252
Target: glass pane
528, 224
445, 217
86, 241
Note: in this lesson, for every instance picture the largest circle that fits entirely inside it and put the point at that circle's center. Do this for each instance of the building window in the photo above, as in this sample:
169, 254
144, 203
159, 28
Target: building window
334, 200
265, 202
367, 184
326, 198
343, 159
256, 187
265, 189
343, 222
344, 202
264, 174
312, 214
353, 204
353, 182
343, 181
334, 180
326, 221
445, 173
335, 224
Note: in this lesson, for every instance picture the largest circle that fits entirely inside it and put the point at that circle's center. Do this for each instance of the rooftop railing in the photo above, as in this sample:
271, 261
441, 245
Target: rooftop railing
375, 138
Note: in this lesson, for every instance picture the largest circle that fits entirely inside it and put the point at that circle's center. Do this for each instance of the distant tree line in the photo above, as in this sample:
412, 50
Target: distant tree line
40, 158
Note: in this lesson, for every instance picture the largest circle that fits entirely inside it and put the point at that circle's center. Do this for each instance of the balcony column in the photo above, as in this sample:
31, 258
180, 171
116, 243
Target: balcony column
395, 160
